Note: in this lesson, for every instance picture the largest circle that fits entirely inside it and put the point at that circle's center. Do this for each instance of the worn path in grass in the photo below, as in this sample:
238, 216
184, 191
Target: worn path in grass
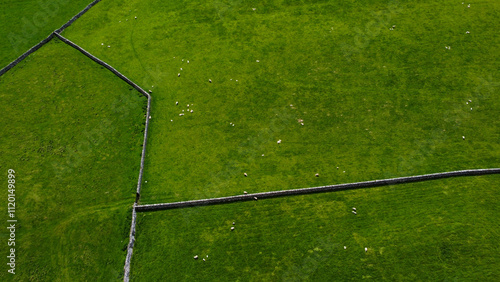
73, 133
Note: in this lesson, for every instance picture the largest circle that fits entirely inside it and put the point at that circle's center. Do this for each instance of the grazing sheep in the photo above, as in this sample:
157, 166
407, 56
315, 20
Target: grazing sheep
191, 110
245, 192
366, 250
279, 141
204, 260
234, 223
317, 174
255, 198
354, 212
209, 80
150, 91
149, 117
232, 228
245, 174
463, 137
345, 247
196, 257
176, 103
353, 209
178, 75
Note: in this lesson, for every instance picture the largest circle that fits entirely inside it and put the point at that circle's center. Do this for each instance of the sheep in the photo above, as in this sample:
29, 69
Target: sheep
345, 247
279, 141
209, 80
179, 75
234, 223
232, 228
149, 117
245, 192
354, 212
317, 174
463, 137
366, 250
245, 174
191, 110
196, 257
354, 209
255, 198
150, 91
176, 103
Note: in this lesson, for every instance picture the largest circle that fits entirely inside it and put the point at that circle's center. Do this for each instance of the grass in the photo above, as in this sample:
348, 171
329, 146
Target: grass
433, 231
375, 102
25, 23
72, 131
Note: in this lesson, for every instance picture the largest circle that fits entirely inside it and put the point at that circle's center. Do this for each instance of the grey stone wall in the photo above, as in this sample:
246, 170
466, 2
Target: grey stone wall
320, 189
130, 247
26, 54
73, 19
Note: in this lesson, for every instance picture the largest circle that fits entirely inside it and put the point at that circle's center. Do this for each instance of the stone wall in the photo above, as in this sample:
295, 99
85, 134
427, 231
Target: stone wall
26, 54
130, 246
320, 189
73, 19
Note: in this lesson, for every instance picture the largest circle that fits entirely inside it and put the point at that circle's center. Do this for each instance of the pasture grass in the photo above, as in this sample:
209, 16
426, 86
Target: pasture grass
72, 131
27, 22
442, 230
375, 102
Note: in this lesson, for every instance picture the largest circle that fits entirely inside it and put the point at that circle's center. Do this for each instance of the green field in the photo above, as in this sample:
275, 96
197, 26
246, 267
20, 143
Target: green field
72, 131
27, 22
394, 105
444, 230
354, 90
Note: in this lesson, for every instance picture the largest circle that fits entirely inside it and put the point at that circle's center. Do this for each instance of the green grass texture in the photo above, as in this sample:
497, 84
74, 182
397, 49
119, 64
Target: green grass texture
27, 22
442, 230
72, 131
378, 91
